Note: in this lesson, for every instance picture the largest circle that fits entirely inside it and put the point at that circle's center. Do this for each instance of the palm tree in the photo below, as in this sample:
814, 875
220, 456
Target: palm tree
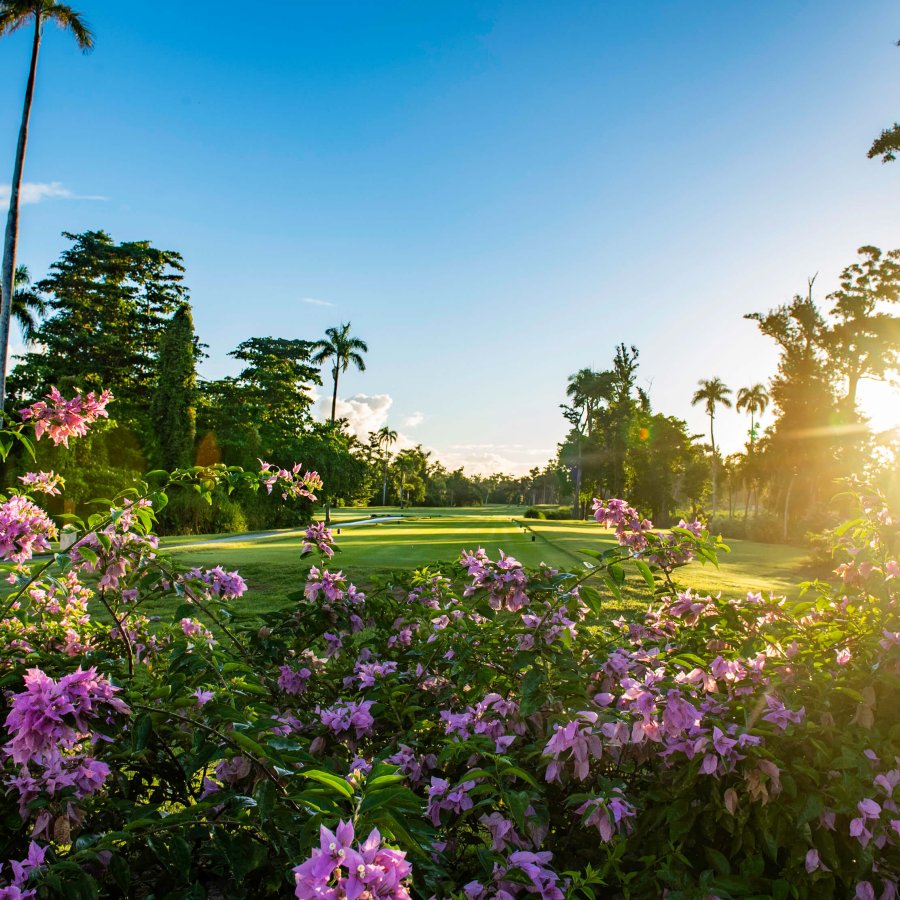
712, 392
754, 400
339, 345
384, 438
343, 349
27, 304
16, 14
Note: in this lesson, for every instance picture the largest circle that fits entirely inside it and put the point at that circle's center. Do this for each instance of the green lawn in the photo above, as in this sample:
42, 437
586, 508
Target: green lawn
271, 565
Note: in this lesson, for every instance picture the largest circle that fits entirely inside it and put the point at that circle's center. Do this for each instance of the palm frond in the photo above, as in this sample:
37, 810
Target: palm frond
70, 20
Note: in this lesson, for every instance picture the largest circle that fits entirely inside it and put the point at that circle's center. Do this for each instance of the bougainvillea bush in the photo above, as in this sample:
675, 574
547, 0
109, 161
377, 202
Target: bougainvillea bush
479, 732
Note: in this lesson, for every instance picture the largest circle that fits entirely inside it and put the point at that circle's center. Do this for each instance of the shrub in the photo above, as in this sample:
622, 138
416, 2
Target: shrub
480, 732
534, 513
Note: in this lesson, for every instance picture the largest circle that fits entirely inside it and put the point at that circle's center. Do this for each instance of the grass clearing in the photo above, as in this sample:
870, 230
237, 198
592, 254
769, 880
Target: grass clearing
271, 564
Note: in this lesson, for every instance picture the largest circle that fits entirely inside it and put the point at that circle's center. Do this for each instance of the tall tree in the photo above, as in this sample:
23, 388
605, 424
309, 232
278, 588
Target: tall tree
16, 14
887, 144
28, 305
385, 438
804, 443
276, 382
342, 349
754, 400
712, 392
173, 411
108, 306
864, 341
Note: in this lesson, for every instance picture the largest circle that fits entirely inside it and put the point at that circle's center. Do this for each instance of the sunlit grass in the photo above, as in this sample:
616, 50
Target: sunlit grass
272, 565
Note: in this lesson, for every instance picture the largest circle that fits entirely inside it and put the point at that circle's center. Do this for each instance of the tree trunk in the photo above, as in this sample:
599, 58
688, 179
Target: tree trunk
852, 385
384, 488
712, 440
576, 503
787, 504
8, 269
334, 373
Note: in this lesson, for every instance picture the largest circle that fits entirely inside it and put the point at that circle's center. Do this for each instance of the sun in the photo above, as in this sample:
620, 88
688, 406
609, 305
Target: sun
880, 401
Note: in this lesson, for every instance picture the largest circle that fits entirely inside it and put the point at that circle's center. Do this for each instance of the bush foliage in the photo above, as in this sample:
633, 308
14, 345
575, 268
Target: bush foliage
471, 733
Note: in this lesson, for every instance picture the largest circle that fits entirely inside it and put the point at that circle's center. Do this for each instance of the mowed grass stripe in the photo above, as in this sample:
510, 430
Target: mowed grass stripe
272, 566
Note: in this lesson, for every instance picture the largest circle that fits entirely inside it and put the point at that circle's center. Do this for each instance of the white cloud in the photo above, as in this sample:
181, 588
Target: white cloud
414, 420
36, 191
312, 301
363, 412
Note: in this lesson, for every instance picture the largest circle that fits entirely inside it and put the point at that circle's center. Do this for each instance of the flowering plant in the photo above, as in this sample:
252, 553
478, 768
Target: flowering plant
479, 732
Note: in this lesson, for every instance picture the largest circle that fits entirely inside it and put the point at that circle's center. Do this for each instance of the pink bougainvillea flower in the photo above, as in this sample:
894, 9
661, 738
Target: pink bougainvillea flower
62, 419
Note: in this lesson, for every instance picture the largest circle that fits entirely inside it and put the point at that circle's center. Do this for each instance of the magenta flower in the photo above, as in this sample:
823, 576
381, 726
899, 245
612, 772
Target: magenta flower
62, 418
609, 815
291, 482
336, 869
43, 482
320, 537
218, 582
50, 715
292, 681
442, 796
578, 737
780, 715
21, 872
25, 529
349, 714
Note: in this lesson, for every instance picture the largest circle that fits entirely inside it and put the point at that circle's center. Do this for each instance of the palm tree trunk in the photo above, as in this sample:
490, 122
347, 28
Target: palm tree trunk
712, 440
334, 372
334, 394
384, 487
8, 270
576, 503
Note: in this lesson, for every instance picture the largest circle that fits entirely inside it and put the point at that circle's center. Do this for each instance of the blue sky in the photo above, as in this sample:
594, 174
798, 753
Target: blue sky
495, 194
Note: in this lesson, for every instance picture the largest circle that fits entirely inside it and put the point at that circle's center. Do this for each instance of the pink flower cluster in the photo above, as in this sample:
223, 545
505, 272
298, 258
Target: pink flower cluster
290, 481
578, 738
338, 870
61, 607
442, 796
544, 882
50, 727
43, 482
25, 529
217, 582
124, 550
505, 581
318, 537
636, 533
430, 593
878, 821
332, 586
609, 815
493, 716
552, 625
367, 670
62, 418
21, 872
345, 715
293, 681
196, 632
412, 765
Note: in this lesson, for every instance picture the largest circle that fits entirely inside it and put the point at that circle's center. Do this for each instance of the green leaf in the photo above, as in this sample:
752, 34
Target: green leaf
718, 860
644, 569
331, 780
